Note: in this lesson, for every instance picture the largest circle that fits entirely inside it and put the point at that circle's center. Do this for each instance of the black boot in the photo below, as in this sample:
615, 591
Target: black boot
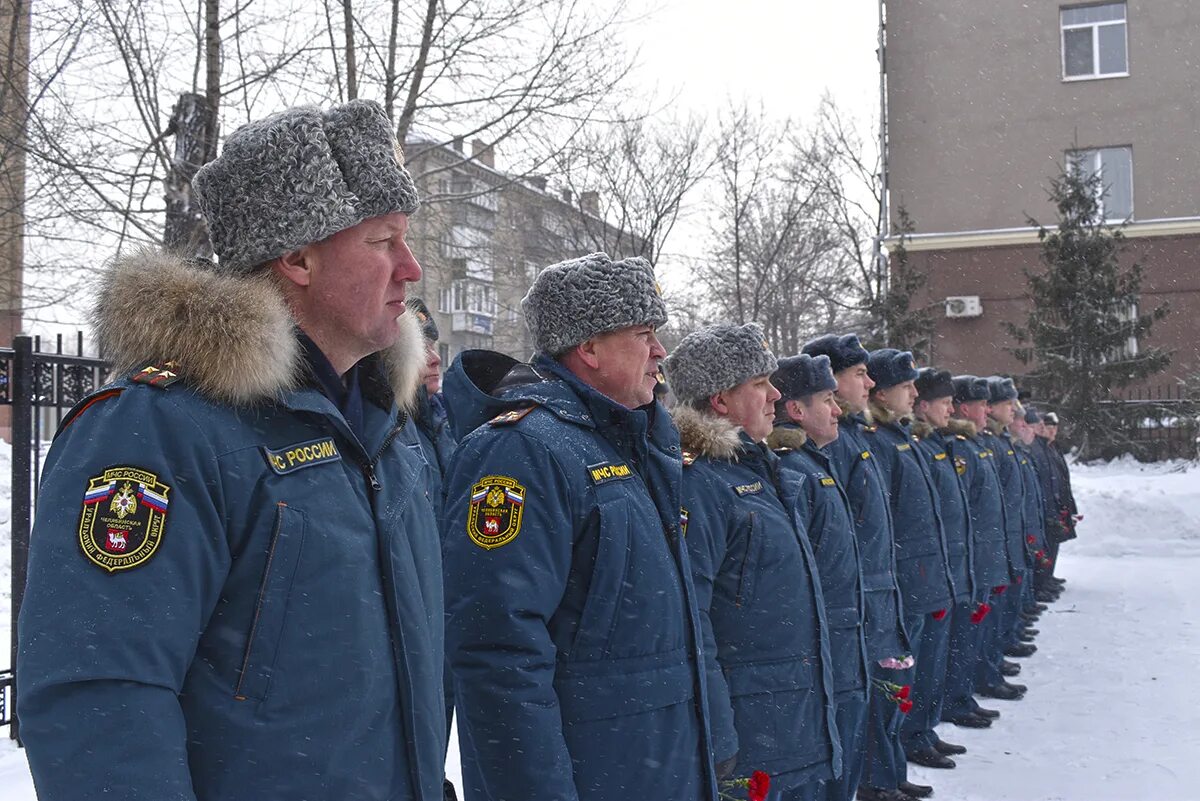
1009, 668
872, 794
1021, 649
949, 749
930, 758
969, 720
983, 712
1030, 630
916, 790
1004, 692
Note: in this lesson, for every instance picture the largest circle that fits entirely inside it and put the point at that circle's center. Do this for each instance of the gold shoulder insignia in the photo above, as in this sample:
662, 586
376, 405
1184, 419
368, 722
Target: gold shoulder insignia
689, 458
159, 374
510, 417
871, 429
865, 454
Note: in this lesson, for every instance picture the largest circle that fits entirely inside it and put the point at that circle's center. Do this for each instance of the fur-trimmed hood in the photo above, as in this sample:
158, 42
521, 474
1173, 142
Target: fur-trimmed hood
706, 434
791, 437
921, 429
886, 417
232, 338
958, 426
845, 411
994, 426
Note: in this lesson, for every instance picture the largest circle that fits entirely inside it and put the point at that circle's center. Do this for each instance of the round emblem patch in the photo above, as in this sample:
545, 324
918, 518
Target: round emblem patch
494, 518
124, 512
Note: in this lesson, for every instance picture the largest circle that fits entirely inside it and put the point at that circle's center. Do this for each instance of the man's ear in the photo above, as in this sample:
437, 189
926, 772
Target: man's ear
795, 410
586, 351
295, 266
718, 404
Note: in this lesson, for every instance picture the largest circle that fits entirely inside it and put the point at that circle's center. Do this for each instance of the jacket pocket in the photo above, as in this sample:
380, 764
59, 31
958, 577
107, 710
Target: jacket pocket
846, 648
623, 687
607, 585
778, 712
270, 610
748, 569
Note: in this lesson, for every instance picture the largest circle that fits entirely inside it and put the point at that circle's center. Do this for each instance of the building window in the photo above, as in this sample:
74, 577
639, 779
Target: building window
1114, 165
468, 296
1094, 44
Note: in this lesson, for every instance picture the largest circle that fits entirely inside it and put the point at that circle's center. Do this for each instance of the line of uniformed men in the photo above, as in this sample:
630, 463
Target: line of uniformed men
833, 555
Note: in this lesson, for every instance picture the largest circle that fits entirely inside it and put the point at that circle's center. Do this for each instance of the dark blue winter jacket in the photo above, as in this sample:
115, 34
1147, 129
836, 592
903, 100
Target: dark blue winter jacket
933, 446
572, 627
231, 595
1054, 496
975, 465
433, 434
922, 566
1035, 530
1012, 489
856, 467
807, 476
770, 681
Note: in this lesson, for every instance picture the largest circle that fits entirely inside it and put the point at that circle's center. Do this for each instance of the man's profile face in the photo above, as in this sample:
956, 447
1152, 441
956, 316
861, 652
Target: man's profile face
854, 387
751, 405
1002, 412
818, 416
936, 412
431, 373
898, 399
975, 412
357, 284
627, 364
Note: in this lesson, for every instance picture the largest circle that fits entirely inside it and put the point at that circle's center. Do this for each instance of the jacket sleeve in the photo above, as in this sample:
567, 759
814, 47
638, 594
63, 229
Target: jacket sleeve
103, 655
707, 545
500, 602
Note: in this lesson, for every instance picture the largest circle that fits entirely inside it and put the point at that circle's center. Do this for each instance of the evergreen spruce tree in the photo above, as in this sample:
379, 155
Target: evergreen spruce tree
1078, 340
897, 320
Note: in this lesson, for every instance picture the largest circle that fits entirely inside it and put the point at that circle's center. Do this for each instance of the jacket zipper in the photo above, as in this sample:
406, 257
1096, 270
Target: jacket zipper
369, 467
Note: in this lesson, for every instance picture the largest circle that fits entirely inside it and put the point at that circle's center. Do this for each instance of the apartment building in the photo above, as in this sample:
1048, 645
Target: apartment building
482, 235
984, 103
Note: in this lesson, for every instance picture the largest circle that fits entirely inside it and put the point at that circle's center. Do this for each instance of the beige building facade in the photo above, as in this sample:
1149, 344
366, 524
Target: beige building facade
482, 236
986, 101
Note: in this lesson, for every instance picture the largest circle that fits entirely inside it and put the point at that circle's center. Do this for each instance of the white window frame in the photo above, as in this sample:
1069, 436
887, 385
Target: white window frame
1095, 26
1091, 155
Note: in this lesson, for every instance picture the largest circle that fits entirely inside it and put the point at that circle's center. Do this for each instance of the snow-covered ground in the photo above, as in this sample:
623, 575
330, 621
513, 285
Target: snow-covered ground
1113, 709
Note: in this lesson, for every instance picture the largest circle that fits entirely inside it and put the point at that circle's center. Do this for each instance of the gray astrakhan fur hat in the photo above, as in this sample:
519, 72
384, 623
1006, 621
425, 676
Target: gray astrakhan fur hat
298, 177
574, 300
717, 358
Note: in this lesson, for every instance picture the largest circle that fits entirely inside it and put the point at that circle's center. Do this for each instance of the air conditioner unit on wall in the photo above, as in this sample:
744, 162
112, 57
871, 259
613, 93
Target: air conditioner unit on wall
964, 306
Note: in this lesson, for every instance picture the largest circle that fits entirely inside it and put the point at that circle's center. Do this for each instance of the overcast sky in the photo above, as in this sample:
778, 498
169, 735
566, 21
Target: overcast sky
785, 54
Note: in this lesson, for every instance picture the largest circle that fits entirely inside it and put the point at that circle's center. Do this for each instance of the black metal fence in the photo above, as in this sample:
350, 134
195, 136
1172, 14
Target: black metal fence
1155, 424
38, 388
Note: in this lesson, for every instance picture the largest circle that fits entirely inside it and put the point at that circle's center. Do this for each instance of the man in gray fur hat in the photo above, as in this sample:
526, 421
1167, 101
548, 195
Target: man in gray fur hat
235, 584
571, 627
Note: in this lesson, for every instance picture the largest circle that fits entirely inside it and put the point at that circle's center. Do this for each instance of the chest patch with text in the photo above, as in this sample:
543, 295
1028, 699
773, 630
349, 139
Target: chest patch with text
291, 458
748, 489
608, 471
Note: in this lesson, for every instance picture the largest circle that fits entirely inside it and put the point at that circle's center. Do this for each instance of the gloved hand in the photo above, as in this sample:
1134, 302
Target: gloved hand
725, 768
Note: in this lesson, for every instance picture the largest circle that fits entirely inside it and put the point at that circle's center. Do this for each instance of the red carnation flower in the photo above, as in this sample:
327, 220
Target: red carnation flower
999, 590
760, 784
1030, 539
980, 613
939, 614
906, 706
904, 692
